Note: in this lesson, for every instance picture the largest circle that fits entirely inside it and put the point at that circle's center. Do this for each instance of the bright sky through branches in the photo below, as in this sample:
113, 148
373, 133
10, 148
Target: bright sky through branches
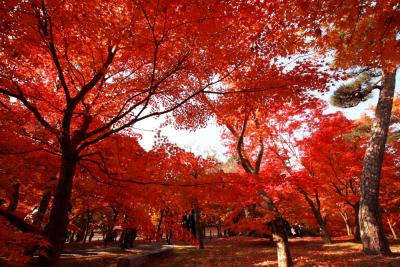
207, 141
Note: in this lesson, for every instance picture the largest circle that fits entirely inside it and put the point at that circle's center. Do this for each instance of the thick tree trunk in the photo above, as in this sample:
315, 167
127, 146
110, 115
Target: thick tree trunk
324, 230
322, 226
279, 235
282, 243
56, 229
43, 206
371, 228
14, 198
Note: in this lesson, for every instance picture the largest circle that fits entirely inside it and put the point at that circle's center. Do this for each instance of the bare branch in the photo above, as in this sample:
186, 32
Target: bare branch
30, 107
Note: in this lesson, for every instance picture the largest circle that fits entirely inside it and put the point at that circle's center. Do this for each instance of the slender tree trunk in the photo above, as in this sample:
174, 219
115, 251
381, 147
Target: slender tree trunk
14, 198
282, 243
357, 235
91, 236
159, 233
71, 237
56, 229
316, 210
198, 226
87, 225
278, 229
348, 228
345, 218
392, 229
371, 228
43, 206
109, 236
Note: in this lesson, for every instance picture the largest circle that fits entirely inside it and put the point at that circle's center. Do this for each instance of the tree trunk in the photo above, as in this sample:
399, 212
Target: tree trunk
43, 206
87, 225
91, 236
356, 208
345, 218
278, 229
324, 230
282, 243
110, 234
392, 229
348, 228
316, 210
371, 228
198, 226
71, 237
14, 198
56, 229
159, 233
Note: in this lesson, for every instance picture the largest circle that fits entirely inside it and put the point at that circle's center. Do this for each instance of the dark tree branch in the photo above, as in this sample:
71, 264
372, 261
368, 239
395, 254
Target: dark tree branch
46, 28
19, 223
244, 161
111, 52
2, 152
31, 108
158, 113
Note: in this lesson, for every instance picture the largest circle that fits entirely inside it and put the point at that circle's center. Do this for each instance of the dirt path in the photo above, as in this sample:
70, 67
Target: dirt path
237, 251
242, 251
99, 256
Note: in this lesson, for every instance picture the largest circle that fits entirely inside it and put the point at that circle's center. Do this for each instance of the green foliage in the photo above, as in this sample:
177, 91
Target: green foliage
361, 131
364, 125
351, 94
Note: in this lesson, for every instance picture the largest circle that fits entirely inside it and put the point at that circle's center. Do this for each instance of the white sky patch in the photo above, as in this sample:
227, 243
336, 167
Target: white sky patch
207, 141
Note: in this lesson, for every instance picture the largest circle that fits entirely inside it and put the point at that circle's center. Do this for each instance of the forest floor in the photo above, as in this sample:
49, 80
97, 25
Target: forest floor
246, 251
96, 255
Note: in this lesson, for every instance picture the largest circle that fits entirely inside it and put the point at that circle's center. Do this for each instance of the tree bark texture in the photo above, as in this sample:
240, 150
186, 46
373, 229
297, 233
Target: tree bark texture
282, 243
56, 229
345, 218
371, 228
316, 210
43, 206
357, 235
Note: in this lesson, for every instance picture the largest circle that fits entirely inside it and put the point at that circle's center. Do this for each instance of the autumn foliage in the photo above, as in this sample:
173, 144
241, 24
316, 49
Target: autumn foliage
76, 76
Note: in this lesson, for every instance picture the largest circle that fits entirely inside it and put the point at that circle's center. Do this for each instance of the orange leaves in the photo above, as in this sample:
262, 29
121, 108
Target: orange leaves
14, 246
361, 34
